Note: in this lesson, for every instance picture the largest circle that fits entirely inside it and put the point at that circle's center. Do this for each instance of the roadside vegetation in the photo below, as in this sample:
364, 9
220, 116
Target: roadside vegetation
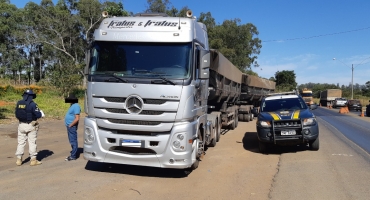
48, 99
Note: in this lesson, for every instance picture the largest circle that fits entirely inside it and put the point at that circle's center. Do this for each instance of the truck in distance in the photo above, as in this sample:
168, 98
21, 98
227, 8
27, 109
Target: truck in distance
327, 97
307, 96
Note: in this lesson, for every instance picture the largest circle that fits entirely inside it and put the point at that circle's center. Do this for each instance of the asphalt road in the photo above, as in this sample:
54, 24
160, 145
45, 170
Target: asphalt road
234, 169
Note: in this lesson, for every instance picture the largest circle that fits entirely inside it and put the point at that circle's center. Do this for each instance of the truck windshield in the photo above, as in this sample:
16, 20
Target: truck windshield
306, 94
128, 59
283, 104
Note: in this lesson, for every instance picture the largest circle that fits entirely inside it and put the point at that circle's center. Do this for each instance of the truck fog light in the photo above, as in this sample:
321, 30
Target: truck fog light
93, 154
176, 144
172, 161
306, 131
180, 136
269, 134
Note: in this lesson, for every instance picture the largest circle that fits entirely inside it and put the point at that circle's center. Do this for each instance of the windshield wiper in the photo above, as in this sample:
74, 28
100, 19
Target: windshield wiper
117, 78
163, 79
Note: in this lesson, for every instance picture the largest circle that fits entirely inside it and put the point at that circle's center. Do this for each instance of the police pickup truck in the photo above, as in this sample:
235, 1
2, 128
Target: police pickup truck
285, 119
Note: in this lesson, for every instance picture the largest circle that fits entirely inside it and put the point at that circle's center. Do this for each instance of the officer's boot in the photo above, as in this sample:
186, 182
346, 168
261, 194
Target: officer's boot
35, 162
19, 161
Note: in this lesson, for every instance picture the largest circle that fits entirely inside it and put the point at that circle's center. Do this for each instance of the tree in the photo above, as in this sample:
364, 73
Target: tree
158, 6
285, 80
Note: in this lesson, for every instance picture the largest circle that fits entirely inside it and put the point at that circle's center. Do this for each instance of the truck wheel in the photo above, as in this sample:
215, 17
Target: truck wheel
250, 117
236, 121
214, 140
240, 117
196, 163
232, 125
246, 117
262, 147
218, 133
315, 144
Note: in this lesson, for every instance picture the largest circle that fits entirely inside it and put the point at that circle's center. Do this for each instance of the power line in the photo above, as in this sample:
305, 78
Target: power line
323, 35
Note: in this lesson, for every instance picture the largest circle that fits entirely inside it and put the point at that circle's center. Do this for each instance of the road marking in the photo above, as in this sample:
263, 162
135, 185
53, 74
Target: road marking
340, 154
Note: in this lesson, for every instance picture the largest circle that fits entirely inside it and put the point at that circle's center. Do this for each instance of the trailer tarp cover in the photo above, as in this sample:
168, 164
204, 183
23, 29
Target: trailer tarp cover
223, 66
255, 81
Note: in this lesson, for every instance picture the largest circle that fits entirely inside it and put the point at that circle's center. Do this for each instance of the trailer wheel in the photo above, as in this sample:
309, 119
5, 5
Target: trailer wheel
250, 117
246, 118
240, 116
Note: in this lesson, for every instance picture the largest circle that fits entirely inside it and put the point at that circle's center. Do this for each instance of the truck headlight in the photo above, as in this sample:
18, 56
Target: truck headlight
89, 137
179, 142
264, 123
309, 121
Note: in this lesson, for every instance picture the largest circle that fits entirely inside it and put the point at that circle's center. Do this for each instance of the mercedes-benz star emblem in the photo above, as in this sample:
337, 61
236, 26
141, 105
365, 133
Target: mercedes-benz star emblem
134, 104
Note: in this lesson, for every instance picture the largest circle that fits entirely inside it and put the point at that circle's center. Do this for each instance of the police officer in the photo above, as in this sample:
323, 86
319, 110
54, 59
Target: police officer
27, 113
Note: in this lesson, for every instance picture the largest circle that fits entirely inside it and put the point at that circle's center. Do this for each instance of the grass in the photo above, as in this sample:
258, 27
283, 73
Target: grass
49, 101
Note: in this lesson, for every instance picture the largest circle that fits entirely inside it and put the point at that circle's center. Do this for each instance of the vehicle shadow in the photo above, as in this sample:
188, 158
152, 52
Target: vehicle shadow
136, 170
250, 143
40, 155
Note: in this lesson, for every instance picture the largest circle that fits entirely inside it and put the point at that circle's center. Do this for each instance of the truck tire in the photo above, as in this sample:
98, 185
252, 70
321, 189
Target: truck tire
240, 117
214, 140
246, 117
236, 120
218, 129
232, 125
250, 117
197, 158
315, 144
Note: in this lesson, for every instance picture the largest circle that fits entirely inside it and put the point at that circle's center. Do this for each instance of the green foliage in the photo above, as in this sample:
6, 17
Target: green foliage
236, 41
49, 101
285, 80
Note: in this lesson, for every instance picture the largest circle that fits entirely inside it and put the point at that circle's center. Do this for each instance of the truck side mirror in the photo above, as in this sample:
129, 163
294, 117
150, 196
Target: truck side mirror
87, 61
204, 64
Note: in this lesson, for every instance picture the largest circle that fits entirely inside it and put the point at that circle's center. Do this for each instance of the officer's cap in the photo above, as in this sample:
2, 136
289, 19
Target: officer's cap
30, 93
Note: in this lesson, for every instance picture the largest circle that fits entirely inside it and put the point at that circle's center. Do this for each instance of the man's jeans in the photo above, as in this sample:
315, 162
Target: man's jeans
72, 136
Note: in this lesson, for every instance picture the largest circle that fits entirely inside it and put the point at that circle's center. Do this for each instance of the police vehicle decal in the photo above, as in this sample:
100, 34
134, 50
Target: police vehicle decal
285, 115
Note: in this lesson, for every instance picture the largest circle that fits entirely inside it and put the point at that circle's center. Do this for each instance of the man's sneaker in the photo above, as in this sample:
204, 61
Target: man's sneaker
69, 158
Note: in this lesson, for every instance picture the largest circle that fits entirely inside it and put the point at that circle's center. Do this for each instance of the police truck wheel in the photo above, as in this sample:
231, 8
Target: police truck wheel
314, 145
263, 148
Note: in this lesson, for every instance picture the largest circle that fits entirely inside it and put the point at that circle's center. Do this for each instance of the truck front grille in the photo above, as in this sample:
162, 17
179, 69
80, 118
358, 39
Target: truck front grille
123, 99
128, 132
144, 112
133, 122
287, 123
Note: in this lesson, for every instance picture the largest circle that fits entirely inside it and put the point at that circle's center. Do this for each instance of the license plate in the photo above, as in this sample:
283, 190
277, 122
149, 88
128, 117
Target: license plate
131, 141
290, 132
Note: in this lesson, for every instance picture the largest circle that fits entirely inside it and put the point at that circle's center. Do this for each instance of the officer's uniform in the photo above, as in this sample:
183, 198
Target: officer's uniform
27, 112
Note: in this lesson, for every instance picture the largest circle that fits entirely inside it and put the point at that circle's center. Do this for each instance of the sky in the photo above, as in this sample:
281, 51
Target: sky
300, 35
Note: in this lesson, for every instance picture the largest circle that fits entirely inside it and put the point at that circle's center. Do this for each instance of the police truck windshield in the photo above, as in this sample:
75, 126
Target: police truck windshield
128, 59
283, 104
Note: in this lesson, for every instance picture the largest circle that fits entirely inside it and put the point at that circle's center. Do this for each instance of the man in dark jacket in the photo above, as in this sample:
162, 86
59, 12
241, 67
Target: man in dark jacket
27, 112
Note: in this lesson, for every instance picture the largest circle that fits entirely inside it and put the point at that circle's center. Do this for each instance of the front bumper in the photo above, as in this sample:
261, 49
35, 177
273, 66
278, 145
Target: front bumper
153, 151
303, 134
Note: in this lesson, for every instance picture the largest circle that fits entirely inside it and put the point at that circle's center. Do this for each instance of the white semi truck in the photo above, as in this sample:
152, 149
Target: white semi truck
156, 94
